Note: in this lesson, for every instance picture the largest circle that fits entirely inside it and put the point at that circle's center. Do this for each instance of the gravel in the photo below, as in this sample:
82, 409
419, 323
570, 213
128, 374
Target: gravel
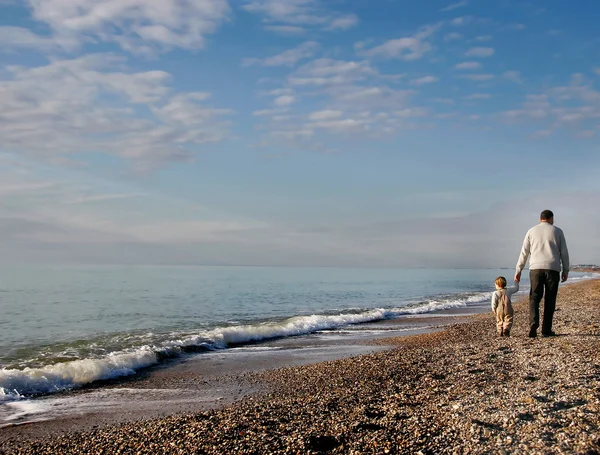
463, 390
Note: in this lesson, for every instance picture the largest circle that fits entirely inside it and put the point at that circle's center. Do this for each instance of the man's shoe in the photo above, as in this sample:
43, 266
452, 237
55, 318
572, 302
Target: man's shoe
549, 334
532, 332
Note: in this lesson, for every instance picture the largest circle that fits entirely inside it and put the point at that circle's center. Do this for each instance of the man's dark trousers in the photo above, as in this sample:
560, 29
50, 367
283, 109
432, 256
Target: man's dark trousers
543, 282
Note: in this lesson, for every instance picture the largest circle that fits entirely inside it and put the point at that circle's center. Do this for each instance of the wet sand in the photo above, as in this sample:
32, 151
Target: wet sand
458, 390
205, 381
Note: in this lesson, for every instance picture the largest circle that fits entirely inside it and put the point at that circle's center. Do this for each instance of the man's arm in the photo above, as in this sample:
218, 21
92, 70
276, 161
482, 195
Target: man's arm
523, 257
513, 289
564, 257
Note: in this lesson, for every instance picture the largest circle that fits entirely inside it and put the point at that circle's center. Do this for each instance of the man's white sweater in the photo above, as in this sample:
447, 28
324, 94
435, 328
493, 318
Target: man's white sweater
546, 248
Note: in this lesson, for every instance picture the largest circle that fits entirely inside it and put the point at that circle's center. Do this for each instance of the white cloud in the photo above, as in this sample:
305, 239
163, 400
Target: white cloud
446, 115
85, 104
541, 134
467, 66
288, 58
343, 22
280, 91
286, 29
342, 125
325, 115
136, 25
403, 48
459, 21
424, 80
269, 112
373, 97
478, 96
412, 112
299, 13
12, 38
408, 48
448, 101
454, 6
292, 134
586, 134
353, 98
477, 77
452, 36
513, 76
482, 38
325, 71
574, 107
284, 100
535, 106
480, 52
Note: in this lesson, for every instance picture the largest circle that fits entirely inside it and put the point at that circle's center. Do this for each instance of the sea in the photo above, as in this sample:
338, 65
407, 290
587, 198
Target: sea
66, 327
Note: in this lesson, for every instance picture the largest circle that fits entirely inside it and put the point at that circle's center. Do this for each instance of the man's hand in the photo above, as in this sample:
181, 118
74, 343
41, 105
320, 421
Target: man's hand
518, 277
564, 277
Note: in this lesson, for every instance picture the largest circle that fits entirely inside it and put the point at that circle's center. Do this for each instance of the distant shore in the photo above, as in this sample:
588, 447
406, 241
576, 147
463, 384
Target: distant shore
460, 390
586, 269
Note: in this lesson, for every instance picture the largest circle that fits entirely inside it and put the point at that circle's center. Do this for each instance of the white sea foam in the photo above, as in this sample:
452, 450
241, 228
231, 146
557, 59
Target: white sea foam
61, 376
15, 383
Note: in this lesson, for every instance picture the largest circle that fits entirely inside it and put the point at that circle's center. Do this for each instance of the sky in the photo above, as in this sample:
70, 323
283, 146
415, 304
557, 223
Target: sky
379, 133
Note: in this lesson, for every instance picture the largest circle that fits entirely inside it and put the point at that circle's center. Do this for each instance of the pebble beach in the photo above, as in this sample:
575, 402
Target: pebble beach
461, 390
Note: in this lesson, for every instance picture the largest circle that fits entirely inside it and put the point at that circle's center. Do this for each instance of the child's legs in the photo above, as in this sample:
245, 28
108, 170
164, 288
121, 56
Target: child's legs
507, 322
499, 320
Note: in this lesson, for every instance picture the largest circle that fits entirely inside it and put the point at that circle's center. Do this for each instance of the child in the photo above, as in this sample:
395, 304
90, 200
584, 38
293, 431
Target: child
502, 306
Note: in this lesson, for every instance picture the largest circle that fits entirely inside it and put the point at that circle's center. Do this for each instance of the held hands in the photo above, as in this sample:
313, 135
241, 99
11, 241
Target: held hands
518, 277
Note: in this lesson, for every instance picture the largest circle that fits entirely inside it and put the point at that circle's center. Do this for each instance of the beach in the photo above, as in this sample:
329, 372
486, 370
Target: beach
458, 390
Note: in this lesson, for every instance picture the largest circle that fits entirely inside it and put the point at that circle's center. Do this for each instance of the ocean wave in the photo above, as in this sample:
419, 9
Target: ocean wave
18, 383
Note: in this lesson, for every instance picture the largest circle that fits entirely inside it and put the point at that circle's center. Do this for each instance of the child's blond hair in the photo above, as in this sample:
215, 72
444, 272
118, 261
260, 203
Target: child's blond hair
500, 282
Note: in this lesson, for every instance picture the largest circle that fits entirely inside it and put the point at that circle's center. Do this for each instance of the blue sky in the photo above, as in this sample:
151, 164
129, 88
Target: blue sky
296, 132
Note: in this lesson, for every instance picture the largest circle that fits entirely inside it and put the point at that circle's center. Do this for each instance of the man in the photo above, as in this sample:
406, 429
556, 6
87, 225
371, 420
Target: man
546, 248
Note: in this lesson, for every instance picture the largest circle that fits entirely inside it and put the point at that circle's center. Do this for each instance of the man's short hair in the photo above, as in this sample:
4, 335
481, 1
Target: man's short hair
546, 215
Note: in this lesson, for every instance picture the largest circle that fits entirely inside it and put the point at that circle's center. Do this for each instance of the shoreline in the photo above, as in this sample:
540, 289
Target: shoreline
207, 381
424, 381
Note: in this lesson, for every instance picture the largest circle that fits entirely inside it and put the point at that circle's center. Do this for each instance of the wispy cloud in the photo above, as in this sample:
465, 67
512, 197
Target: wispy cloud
480, 52
541, 134
407, 48
284, 100
454, 6
478, 96
286, 29
61, 109
467, 66
301, 14
288, 58
325, 71
452, 36
18, 38
135, 25
477, 77
463, 20
424, 80
325, 115
514, 76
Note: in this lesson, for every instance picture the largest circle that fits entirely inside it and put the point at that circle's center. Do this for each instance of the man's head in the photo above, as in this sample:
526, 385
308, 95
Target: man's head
547, 216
